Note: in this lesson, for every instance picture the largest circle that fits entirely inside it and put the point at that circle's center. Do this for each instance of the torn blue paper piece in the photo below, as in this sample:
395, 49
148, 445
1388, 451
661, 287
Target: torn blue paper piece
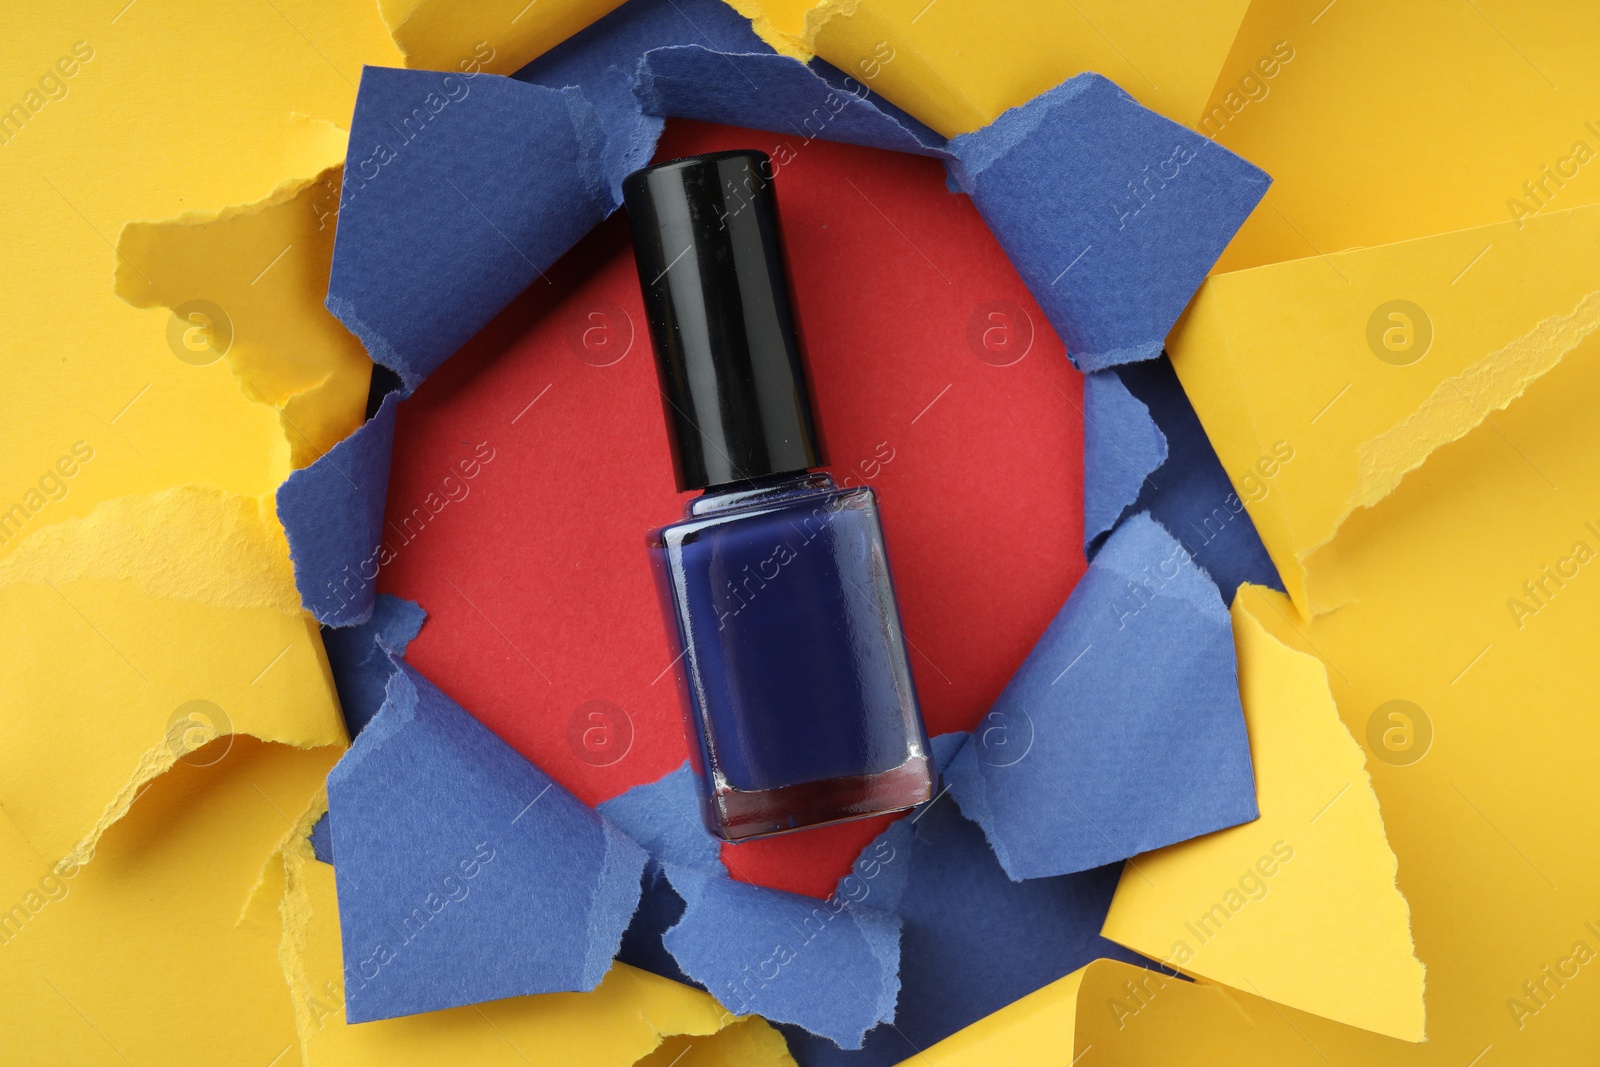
464, 872
1111, 213
332, 515
1121, 447
1190, 494
459, 191
322, 839
603, 60
831, 967
780, 94
361, 666
663, 818
972, 940
1122, 729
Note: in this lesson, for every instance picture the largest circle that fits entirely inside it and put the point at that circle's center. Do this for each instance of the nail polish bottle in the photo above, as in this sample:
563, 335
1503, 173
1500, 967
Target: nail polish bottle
775, 586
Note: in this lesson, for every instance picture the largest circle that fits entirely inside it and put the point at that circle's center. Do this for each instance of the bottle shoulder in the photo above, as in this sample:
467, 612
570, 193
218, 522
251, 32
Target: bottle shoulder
814, 497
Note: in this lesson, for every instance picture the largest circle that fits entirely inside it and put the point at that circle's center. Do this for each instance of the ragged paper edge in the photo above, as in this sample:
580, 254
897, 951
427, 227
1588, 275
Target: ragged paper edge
1117, 490
798, 46
295, 911
270, 881
1246, 619
1270, 669
1457, 406
131, 283
156, 761
144, 538
143, 531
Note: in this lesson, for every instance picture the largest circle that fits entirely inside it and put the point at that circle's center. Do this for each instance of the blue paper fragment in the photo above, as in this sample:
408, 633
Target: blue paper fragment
1191, 495
1123, 727
778, 93
458, 192
322, 839
1111, 213
603, 61
829, 966
332, 514
361, 666
663, 817
972, 941
465, 873
1121, 447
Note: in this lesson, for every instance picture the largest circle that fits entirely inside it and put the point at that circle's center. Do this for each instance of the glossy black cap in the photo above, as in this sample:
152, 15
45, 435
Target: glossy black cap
716, 294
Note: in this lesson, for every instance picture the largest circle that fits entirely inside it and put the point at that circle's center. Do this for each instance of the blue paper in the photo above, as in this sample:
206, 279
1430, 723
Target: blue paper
1190, 493
972, 940
361, 665
1111, 213
831, 967
465, 873
322, 839
603, 60
1122, 446
1122, 731
459, 191
663, 817
332, 514
781, 94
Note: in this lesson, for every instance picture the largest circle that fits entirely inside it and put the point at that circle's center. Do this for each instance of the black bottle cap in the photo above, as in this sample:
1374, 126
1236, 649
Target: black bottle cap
716, 294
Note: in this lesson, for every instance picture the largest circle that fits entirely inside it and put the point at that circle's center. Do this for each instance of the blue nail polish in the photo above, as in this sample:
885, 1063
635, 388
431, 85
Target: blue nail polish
775, 586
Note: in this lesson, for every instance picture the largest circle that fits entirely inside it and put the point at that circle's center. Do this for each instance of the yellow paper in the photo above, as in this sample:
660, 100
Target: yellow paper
956, 66
134, 636
1314, 872
1358, 366
1395, 121
1467, 596
264, 271
499, 36
626, 1018
129, 115
136, 957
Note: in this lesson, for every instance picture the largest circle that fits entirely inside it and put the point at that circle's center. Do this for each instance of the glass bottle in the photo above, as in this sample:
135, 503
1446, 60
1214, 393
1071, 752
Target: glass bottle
775, 586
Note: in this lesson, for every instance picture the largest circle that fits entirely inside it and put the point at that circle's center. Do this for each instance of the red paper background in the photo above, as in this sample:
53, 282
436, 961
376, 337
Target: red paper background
533, 571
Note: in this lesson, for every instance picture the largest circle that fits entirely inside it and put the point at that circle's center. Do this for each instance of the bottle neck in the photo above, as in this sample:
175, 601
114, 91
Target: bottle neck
755, 491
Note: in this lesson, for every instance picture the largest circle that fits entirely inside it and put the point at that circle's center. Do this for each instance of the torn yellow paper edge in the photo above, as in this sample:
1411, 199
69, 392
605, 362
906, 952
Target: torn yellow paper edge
175, 610
498, 36
246, 285
1315, 871
956, 67
136, 957
1294, 356
624, 1019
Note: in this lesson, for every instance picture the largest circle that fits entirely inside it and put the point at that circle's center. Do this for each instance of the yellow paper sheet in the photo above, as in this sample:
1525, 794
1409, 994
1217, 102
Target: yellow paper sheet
136, 958
1363, 363
1314, 871
1467, 599
263, 272
629, 1016
129, 113
1395, 121
956, 66
499, 36
133, 636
